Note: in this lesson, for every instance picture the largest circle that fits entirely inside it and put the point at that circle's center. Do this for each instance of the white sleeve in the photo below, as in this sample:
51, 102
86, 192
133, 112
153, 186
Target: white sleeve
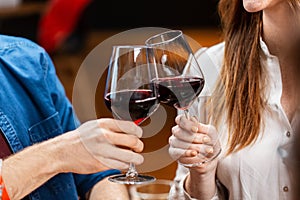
178, 191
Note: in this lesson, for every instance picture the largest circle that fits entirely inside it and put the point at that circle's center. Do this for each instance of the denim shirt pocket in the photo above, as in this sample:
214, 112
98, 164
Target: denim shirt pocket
45, 129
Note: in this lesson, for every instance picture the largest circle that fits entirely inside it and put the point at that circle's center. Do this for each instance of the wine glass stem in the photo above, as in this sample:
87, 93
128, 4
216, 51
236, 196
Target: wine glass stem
131, 173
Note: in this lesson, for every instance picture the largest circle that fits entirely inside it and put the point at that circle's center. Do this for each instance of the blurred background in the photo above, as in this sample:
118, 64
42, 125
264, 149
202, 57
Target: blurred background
70, 29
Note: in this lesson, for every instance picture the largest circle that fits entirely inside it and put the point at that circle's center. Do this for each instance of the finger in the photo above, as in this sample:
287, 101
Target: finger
121, 126
182, 134
114, 164
181, 153
174, 142
204, 128
193, 149
123, 155
130, 141
192, 160
195, 119
177, 119
186, 136
210, 131
187, 124
200, 148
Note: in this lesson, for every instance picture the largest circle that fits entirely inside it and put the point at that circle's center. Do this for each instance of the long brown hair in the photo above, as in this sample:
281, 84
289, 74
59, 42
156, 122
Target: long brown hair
238, 91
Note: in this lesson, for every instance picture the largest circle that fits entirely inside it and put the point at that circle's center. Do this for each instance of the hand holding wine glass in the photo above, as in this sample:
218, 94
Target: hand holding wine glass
130, 95
179, 76
195, 142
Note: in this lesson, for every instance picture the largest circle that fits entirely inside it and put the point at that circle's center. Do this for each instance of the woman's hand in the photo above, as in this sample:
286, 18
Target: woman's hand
192, 142
101, 144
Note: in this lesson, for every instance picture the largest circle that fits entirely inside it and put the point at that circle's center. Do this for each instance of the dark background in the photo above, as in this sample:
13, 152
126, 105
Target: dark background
123, 15
152, 13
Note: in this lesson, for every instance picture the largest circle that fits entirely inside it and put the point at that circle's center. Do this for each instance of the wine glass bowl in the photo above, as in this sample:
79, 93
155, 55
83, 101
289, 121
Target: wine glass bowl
130, 95
129, 92
177, 83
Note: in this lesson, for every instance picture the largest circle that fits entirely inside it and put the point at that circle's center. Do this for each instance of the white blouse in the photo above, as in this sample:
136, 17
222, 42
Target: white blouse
259, 171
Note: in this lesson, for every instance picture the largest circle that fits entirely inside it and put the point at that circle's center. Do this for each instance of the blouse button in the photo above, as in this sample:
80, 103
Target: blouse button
288, 134
285, 188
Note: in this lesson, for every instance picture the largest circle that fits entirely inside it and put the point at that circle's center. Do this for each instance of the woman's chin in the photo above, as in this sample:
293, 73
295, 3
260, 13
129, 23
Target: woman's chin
253, 5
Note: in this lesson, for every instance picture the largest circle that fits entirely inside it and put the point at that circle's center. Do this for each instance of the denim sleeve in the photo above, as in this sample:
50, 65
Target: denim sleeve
85, 183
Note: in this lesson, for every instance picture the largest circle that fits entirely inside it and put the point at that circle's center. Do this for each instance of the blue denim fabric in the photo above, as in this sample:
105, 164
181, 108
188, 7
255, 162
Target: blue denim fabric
34, 108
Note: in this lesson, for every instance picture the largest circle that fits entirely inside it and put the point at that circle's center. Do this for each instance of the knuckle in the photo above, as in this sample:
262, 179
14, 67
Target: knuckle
173, 153
102, 122
105, 136
178, 119
197, 138
175, 131
130, 127
183, 123
171, 140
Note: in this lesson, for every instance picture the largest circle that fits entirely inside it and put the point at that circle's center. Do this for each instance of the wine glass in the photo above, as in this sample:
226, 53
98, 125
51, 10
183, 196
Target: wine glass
179, 80
158, 190
179, 77
130, 95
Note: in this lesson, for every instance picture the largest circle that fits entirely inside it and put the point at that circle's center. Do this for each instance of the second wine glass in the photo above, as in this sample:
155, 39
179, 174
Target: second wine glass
130, 95
179, 76
179, 79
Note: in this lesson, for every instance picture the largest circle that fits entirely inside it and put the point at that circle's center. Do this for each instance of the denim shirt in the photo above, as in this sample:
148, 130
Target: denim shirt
34, 108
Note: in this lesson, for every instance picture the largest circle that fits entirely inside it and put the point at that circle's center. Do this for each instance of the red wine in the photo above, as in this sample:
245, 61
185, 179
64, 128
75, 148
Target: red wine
178, 91
133, 105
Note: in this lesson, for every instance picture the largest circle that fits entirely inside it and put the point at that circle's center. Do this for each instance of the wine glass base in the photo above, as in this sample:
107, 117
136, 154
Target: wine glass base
139, 179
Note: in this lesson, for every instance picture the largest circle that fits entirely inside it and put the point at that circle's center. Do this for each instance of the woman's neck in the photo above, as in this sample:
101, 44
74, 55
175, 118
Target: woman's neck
279, 30
281, 35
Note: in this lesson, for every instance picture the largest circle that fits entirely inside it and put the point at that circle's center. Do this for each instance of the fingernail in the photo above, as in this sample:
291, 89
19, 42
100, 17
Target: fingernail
206, 139
209, 150
194, 129
194, 153
139, 132
140, 159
